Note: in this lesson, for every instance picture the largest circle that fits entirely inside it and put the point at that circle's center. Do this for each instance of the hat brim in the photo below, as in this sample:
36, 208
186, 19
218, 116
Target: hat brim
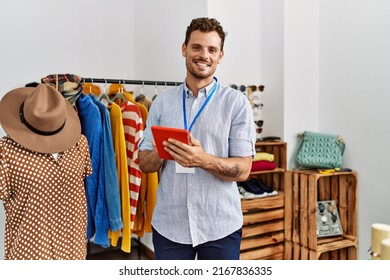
12, 125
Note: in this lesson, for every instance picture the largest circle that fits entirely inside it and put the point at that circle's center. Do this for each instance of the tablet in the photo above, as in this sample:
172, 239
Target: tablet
162, 133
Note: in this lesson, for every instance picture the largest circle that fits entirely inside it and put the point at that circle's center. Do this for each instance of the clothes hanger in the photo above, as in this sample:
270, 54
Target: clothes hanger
120, 95
155, 91
142, 87
95, 89
104, 95
90, 88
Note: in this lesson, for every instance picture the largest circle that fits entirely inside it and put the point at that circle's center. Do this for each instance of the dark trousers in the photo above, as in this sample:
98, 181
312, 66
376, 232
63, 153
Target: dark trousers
227, 248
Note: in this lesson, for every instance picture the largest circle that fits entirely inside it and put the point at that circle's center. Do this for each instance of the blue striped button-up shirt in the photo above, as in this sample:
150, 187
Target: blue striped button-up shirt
194, 208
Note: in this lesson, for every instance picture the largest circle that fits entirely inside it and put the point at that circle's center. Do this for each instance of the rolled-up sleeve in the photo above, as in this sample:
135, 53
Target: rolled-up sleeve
242, 137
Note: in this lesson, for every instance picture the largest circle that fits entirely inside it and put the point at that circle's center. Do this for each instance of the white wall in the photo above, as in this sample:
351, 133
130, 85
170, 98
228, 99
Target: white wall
241, 21
92, 38
301, 58
324, 64
272, 65
160, 31
354, 98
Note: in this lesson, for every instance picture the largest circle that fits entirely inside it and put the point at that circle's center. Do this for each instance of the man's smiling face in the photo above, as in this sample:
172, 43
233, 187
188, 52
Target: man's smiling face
202, 54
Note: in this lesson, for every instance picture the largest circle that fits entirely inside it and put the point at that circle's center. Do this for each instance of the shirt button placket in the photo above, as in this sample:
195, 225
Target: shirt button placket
192, 213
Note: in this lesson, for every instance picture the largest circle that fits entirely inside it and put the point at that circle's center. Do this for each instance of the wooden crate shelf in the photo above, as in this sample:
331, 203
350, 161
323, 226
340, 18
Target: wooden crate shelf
263, 216
302, 191
274, 177
263, 240
273, 252
264, 203
263, 227
330, 249
277, 170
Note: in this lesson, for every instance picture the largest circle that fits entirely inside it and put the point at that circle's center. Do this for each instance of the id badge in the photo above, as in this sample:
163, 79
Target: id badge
181, 169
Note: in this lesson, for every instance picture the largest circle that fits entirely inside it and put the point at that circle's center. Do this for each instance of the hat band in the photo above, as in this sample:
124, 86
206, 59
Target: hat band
33, 129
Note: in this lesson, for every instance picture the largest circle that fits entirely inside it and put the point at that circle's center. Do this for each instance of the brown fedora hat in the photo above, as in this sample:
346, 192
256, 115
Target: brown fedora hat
40, 119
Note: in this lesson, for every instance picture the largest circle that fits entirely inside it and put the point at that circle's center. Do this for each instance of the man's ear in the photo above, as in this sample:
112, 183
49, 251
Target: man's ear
183, 50
221, 56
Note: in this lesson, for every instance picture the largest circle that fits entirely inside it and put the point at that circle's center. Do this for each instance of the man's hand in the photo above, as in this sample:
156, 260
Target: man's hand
149, 161
193, 155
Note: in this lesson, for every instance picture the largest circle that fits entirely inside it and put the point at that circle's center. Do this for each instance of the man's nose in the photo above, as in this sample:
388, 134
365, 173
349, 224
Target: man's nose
204, 54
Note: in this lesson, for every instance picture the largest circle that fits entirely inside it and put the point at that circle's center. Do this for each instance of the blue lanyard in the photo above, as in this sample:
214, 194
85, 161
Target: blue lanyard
212, 91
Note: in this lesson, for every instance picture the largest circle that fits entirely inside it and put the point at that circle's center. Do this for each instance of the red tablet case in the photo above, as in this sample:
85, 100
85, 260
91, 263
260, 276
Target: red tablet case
162, 133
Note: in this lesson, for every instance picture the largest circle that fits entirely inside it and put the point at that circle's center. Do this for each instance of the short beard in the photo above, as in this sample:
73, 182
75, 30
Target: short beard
196, 74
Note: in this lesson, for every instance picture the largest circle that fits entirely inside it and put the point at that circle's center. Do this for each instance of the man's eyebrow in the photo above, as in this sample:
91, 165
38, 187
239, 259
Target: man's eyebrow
199, 45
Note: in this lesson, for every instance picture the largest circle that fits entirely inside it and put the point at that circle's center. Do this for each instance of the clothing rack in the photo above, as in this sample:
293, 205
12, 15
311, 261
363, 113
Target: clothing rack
130, 82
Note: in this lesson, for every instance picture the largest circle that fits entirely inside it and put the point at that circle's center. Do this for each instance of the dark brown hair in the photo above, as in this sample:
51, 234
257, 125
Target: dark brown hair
205, 25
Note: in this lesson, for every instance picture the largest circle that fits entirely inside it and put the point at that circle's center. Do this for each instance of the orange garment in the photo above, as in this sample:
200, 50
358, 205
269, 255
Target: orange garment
139, 222
151, 198
144, 100
118, 138
147, 199
91, 88
116, 88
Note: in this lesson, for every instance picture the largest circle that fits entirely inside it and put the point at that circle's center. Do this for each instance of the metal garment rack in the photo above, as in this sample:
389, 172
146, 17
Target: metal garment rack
130, 82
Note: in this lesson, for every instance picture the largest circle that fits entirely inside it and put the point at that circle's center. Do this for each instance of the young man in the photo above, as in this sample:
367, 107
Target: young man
198, 210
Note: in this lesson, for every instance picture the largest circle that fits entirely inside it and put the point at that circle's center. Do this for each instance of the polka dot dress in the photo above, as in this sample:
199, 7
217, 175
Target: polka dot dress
44, 201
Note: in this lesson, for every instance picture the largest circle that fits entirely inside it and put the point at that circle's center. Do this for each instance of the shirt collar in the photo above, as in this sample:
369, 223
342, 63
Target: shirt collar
205, 91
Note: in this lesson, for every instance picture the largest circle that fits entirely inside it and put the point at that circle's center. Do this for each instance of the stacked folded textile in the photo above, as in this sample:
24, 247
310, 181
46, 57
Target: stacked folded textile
263, 161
